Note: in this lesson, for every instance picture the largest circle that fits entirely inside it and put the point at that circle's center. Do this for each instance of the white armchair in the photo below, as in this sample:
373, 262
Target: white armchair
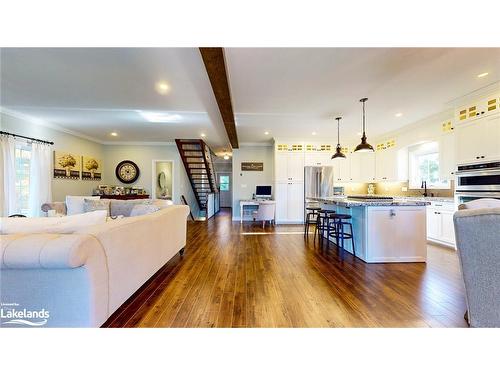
266, 212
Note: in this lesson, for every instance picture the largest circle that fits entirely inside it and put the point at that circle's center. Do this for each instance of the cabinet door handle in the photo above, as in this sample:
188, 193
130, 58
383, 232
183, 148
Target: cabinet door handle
482, 157
392, 213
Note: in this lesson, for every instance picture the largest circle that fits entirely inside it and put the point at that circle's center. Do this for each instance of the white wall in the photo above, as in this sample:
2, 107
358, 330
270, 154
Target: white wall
244, 182
62, 141
143, 156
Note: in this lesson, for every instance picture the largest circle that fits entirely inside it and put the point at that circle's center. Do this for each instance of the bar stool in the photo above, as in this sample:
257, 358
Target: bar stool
323, 223
339, 221
311, 218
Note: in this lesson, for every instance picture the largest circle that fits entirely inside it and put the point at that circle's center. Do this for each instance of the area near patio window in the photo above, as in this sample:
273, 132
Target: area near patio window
22, 165
224, 183
424, 166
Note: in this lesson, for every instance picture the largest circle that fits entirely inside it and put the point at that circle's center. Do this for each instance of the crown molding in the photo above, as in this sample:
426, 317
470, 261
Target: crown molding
490, 89
137, 143
36, 121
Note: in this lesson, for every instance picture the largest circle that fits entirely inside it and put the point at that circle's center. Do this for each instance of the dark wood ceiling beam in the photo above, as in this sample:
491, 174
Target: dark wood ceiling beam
213, 58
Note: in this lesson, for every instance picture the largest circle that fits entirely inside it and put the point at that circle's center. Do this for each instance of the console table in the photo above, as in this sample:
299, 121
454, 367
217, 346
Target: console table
124, 196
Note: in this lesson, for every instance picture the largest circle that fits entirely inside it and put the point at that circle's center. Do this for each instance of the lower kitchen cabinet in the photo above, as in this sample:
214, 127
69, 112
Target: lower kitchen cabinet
440, 227
289, 198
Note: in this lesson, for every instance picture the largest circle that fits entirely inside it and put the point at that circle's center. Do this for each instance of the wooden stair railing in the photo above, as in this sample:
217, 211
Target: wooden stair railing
183, 198
197, 159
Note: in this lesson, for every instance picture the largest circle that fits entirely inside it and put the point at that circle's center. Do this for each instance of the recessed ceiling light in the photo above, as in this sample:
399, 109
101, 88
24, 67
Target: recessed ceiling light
398, 114
162, 87
482, 75
160, 116
226, 157
313, 133
266, 133
203, 135
113, 134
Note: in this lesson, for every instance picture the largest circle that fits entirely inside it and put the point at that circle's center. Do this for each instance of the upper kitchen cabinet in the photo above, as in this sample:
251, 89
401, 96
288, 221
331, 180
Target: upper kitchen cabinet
289, 163
478, 140
318, 155
342, 167
391, 163
447, 158
362, 167
477, 109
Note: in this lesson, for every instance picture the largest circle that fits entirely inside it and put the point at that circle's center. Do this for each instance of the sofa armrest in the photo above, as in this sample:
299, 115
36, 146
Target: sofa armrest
60, 207
48, 251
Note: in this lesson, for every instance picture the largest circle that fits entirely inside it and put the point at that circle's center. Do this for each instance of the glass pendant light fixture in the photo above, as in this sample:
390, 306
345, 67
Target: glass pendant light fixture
364, 146
338, 152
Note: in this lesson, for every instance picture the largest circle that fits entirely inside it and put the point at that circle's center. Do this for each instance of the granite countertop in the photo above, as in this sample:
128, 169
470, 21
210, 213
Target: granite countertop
412, 198
357, 202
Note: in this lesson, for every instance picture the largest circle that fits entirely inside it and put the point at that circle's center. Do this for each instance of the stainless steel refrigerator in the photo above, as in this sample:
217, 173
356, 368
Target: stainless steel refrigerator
318, 182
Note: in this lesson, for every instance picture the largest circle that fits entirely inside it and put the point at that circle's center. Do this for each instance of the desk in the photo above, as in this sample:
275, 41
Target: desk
250, 202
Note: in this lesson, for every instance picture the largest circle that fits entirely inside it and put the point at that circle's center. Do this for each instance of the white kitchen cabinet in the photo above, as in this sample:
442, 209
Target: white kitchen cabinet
478, 140
289, 166
341, 170
391, 165
447, 160
362, 167
440, 226
289, 198
318, 159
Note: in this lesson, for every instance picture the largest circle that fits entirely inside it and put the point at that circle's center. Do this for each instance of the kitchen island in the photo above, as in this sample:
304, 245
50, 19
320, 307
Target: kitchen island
385, 230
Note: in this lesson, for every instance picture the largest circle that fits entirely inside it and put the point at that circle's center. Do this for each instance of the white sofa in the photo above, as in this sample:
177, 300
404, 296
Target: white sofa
80, 279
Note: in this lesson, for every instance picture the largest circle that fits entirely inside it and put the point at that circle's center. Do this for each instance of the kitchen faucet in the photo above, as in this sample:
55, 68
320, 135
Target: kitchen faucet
424, 186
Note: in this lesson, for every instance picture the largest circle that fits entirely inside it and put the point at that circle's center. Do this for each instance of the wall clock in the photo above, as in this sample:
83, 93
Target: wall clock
127, 171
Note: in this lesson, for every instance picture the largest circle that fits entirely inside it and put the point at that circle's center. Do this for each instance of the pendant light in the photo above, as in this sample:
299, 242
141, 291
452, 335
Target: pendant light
338, 152
364, 146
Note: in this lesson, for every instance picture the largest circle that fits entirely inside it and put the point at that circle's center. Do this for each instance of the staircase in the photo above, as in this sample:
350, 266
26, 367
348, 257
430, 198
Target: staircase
197, 159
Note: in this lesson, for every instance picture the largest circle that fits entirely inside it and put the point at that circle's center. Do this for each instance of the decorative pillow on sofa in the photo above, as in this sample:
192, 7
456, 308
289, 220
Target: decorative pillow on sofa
143, 209
64, 224
74, 204
90, 205
124, 207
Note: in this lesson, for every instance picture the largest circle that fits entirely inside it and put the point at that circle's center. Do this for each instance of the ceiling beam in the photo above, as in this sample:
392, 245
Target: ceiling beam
213, 58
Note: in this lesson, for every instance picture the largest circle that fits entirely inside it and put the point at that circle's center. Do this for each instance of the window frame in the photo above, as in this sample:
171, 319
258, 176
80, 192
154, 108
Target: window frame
23, 209
415, 152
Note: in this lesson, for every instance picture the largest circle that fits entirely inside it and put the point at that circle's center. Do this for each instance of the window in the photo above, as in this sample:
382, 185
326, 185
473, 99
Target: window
22, 165
424, 166
224, 183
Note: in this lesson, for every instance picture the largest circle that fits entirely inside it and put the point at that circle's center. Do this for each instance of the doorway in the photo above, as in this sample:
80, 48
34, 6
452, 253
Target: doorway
226, 189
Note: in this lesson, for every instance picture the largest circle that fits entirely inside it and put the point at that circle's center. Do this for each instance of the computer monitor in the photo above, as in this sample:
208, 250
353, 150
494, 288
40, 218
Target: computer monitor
263, 192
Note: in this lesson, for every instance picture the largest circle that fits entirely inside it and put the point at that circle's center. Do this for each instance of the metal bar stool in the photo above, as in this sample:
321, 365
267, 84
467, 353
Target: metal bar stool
339, 221
322, 224
311, 218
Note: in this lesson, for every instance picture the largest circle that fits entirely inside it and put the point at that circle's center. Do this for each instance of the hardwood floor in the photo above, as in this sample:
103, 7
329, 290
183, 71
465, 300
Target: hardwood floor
244, 276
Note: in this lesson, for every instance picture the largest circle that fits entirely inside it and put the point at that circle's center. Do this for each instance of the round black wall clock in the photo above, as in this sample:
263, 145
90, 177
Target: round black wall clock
127, 171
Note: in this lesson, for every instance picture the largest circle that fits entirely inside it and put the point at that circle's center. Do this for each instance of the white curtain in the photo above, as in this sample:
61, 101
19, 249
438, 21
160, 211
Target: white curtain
40, 177
8, 176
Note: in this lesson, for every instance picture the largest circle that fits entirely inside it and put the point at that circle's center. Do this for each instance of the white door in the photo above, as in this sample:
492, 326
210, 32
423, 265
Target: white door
280, 167
491, 138
226, 190
433, 223
295, 166
281, 197
447, 227
447, 163
470, 141
296, 201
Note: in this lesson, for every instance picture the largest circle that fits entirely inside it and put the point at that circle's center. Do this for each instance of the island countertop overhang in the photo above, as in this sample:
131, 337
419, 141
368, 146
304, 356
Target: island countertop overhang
346, 202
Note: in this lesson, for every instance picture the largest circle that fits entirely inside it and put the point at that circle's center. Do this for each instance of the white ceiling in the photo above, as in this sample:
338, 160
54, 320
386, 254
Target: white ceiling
98, 91
289, 92
295, 91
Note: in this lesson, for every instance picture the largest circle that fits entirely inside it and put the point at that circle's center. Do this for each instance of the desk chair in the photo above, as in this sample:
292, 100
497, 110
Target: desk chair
266, 212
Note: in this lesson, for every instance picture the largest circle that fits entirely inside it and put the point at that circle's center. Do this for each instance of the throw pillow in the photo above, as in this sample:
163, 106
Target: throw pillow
74, 204
143, 209
90, 205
